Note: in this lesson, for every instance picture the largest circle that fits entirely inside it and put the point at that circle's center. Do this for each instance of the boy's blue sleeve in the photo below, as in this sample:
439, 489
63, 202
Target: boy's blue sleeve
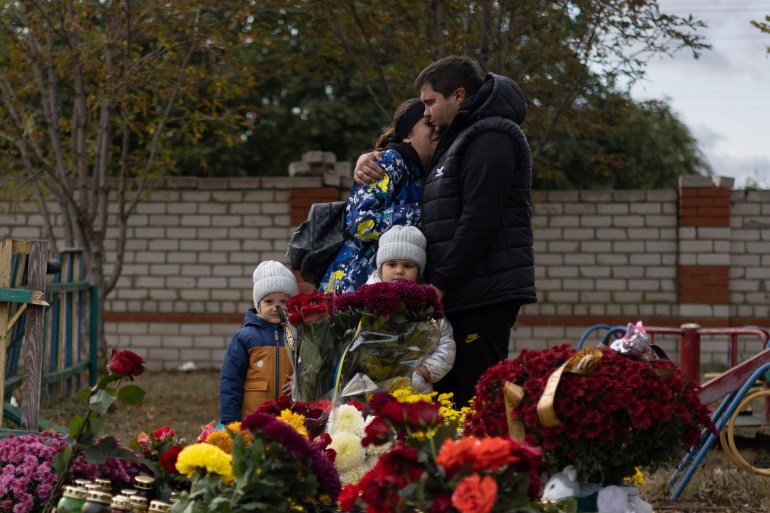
231, 379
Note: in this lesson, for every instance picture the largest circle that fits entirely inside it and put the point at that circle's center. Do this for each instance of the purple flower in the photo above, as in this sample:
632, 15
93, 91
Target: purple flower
380, 298
299, 447
418, 297
27, 478
348, 301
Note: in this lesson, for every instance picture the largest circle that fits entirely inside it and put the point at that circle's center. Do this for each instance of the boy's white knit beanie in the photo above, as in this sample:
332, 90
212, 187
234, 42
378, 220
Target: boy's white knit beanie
272, 276
402, 243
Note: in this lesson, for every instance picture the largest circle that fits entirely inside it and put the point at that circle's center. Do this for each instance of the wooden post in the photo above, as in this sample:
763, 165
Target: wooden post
6, 246
33, 338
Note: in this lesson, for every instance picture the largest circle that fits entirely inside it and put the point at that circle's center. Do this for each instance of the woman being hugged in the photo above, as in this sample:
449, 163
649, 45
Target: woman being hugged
407, 146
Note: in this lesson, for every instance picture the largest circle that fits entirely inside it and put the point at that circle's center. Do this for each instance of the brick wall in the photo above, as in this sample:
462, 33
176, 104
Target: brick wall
698, 254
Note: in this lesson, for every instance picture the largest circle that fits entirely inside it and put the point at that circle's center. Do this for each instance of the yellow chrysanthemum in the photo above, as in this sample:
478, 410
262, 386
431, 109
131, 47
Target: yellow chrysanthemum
446, 404
221, 439
345, 419
407, 395
207, 458
233, 427
295, 420
636, 480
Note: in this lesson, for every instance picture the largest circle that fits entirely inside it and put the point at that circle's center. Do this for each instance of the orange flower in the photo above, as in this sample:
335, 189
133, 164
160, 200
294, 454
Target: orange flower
481, 453
475, 495
454, 453
492, 453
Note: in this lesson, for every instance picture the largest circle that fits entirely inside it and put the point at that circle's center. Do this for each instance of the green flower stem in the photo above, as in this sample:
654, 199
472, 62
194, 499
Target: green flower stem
85, 426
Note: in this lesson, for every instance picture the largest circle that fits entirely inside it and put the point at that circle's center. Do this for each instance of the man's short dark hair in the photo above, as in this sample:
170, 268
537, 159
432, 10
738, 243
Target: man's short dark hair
450, 73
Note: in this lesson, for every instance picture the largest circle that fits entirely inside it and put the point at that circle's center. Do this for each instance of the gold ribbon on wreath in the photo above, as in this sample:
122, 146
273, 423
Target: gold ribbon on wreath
583, 362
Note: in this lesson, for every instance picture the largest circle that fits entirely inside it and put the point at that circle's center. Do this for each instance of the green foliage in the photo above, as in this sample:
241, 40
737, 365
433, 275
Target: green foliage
763, 26
131, 395
614, 143
328, 75
567, 57
268, 475
85, 432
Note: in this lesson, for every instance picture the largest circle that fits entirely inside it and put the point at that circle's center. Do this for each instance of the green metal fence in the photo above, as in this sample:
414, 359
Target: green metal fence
69, 339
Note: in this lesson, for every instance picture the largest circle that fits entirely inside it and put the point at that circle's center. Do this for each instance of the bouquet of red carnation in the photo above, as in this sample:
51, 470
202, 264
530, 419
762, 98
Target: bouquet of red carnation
469, 475
625, 413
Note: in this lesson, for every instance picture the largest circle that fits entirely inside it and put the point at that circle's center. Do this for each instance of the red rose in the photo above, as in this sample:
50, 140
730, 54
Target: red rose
168, 459
423, 414
160, 434
377, 432
126, 363
475, 495
395, 412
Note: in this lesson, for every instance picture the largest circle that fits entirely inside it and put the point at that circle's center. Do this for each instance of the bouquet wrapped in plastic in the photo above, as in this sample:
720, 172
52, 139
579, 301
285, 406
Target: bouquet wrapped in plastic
321, 339
363, 341
398, 327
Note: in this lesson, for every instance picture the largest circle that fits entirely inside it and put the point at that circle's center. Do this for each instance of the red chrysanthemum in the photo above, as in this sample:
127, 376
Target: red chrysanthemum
628, 413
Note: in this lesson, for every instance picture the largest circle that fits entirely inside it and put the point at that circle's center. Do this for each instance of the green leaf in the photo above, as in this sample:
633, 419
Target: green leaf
76, 426
95, 455
129, 455
106, 380
96, 425
59, 462
131, 394
83, 394
101, 401
107, 445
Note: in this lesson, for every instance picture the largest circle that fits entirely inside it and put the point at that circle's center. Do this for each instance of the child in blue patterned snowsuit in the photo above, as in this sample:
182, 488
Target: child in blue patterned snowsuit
407, 146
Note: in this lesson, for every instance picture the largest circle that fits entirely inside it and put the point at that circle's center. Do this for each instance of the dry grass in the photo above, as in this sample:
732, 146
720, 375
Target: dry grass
186, 401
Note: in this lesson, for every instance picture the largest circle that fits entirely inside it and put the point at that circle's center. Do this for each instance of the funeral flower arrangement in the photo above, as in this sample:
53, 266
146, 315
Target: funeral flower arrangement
260, 464
427, 468
363, 341
617, 414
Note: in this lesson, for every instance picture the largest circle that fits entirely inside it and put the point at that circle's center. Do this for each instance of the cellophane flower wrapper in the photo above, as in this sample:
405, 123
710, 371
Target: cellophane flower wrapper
321, 347
635, 343
321, 339
385, 359
394, 325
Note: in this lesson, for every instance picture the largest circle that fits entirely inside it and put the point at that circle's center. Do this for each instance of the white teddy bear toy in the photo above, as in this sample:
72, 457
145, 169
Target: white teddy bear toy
610, 499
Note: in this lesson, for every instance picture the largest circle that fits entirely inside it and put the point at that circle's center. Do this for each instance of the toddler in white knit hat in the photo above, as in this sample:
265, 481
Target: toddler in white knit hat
256, 355
401, 256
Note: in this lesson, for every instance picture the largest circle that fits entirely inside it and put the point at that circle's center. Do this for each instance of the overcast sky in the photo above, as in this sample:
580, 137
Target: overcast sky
723, 97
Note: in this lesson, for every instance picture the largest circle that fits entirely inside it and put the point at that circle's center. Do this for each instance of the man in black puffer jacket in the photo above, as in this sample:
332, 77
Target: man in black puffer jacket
476, 212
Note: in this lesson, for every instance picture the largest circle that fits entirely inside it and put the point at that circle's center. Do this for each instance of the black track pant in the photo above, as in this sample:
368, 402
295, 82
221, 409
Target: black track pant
482, 336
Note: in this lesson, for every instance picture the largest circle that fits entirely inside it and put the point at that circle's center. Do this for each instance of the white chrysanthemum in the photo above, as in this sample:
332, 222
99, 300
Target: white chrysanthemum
345, 419
375, 451
354, 476
350, 452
